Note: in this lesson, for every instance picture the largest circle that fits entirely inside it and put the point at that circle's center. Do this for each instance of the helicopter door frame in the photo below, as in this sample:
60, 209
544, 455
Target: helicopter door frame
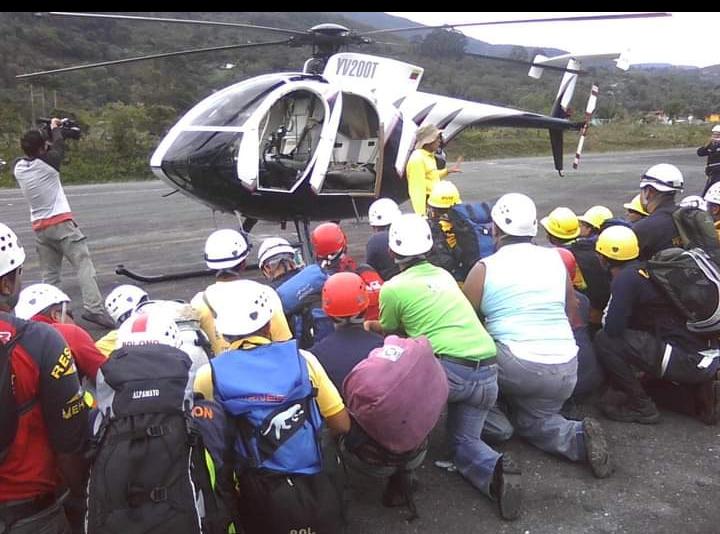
248, 170
322, 167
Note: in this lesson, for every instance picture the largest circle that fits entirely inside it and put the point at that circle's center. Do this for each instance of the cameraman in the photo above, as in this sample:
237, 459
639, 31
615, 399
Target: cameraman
57, 235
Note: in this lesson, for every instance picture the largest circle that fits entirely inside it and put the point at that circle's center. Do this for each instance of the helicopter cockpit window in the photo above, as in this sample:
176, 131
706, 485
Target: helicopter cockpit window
234, 108
356, 150
289, 133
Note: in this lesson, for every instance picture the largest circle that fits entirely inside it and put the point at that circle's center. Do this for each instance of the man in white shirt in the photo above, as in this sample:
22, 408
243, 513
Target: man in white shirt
57, 235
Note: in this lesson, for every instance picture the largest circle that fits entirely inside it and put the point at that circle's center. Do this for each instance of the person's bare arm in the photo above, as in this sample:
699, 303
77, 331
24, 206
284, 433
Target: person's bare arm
340, 422
572, 306
475, 284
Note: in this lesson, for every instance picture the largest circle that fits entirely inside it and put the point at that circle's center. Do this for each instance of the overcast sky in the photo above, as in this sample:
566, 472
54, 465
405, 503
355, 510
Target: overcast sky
685, 38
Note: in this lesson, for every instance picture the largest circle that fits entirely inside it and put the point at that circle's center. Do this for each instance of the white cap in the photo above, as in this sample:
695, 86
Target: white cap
410, 235
12, 255
122, 300
149, 329
225, 249
716, 128
273, 246
515, 214
663, 177
713, 194
243, 307
37, 297
382, 212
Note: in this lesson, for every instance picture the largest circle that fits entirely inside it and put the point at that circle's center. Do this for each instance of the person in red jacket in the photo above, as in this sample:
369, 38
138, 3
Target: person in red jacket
47, 304
45, 453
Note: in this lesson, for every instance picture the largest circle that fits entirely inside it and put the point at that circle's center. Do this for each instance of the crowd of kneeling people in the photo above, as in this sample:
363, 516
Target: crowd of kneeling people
240, 410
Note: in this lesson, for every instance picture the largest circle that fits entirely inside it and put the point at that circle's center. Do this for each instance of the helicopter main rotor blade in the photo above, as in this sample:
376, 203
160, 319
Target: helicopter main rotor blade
523, 21
526, 63
179, 21
153, 56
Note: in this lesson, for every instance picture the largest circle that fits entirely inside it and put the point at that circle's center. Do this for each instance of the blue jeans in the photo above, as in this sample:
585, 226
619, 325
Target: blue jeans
472, 393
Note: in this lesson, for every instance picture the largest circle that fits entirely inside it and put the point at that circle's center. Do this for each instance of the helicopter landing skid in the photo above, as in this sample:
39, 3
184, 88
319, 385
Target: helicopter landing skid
154, 278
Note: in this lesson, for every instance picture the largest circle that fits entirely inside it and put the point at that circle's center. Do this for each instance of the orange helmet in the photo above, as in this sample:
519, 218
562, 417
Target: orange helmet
328, 240
344, 295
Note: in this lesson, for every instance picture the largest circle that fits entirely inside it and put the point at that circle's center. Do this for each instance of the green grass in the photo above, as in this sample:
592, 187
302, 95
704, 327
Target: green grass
94, 160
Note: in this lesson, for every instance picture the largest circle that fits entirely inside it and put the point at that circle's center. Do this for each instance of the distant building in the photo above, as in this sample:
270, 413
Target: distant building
656, 116
713, 117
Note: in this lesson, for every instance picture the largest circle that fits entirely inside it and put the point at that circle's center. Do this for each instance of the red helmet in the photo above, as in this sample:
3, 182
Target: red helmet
568, 259
344, 295
328, 240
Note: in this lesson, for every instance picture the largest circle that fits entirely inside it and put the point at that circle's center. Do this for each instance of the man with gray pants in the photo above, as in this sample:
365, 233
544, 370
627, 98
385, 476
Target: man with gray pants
526, 297
57, 234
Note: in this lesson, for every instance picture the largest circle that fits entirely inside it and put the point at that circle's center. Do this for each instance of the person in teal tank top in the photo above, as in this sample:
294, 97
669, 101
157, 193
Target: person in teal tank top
526, 297
425, 300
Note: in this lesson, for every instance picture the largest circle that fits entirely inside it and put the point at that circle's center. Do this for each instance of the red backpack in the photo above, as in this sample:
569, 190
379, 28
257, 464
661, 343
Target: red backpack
397, 393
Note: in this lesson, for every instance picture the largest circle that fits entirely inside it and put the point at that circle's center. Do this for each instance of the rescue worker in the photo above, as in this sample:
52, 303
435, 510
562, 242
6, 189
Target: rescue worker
563, 229
226, 252
657, 231
712, 198
381, 214
712, 151
634, 210
643, 332
525, 294
253, 365
45, 303
421, 170
445, 252
57, 235
120, 303
593, 219
276, 260
425, 300
345, 299
45, 454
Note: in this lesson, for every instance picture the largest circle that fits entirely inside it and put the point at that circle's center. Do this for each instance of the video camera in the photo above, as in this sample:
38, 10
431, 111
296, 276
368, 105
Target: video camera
69, 128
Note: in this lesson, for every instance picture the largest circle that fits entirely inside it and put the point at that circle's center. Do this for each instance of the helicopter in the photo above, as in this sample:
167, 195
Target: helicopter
325, 142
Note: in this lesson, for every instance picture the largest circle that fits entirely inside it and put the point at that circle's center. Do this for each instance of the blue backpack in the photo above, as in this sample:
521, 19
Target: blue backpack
300, 297
472, 226
268, 393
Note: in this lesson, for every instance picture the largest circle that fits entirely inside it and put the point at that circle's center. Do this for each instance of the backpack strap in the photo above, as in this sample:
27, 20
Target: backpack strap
5, 354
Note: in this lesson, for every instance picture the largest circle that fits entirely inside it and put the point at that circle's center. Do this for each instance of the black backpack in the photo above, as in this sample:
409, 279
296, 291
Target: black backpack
10, 411
691, 281
149, 473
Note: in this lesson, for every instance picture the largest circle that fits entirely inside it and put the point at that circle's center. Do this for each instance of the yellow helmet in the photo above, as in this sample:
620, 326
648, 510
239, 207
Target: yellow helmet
636, 205
562, 223
618, 243
595, 216
444, 195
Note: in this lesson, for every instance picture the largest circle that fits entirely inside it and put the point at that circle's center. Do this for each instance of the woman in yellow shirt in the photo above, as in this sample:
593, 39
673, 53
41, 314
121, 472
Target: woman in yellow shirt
421, 170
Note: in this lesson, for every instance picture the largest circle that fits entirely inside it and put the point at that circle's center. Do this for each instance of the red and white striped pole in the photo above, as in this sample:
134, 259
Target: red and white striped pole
589, 110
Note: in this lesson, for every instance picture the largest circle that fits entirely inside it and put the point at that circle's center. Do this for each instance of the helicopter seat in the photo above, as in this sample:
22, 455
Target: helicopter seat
352, 177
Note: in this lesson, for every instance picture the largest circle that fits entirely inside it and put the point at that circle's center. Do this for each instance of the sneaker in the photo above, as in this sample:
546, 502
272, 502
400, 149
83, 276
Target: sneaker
101, 319
506, 488
645, 413
596, 448
707, 399
447, 465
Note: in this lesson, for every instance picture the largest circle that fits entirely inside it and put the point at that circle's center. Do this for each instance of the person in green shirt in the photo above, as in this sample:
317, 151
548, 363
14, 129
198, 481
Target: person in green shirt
425, 300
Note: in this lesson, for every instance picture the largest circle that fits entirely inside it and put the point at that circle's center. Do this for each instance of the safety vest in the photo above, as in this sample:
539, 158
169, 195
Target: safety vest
268, 390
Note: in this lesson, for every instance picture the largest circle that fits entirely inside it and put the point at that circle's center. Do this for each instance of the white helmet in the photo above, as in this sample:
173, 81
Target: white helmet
410, 235
225, 248
663, 177
694, 201
123, 300
713, 194
37, 297
382, 212
12, 255
716, 129
515, 214
149, 329
243, 307
272, 247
